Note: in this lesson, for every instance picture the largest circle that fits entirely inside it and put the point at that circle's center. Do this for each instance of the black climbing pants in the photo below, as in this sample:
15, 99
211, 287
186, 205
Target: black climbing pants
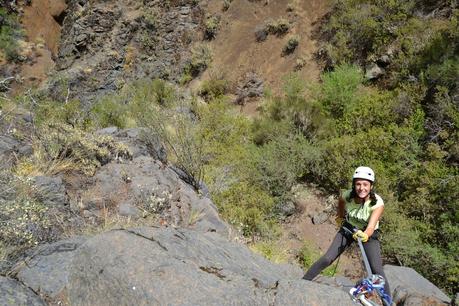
340, 243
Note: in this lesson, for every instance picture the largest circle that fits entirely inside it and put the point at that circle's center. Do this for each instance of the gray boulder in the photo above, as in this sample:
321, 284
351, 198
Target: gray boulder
142, 142
153, 188
409, 287
13, 293
373, 71
129, 210
50, 190
319, 218
251, 86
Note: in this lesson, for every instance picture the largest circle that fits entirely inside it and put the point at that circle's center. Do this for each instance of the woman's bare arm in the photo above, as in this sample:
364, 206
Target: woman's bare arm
375, 215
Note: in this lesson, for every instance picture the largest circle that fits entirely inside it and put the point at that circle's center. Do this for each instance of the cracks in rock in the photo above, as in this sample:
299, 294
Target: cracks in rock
213, 270
276, 286
148, 238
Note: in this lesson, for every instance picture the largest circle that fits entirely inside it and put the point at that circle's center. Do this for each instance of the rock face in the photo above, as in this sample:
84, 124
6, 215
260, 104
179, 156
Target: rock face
410, 288
153, 188
107, 43
166, 266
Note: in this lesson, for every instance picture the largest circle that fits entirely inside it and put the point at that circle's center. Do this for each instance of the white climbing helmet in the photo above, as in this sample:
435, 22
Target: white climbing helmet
365, 173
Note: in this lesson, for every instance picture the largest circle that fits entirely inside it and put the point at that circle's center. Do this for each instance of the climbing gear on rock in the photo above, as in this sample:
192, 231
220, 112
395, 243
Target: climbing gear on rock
371, 284
367, 287
365, 173
359, 234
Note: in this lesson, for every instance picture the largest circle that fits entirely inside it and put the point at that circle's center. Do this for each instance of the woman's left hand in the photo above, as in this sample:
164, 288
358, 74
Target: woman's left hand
362, 235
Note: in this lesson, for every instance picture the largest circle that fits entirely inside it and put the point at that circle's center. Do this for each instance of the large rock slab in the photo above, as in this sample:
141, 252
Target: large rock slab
166, 266
13, 293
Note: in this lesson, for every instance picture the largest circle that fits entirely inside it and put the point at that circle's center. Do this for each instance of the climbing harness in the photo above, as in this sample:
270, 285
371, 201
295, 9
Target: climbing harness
370, 285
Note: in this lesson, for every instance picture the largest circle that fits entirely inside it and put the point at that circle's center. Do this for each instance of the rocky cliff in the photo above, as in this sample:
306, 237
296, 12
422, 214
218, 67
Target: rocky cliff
134, 232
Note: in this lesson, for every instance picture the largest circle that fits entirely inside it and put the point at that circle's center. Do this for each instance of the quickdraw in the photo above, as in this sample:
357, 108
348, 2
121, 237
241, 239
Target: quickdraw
368, 287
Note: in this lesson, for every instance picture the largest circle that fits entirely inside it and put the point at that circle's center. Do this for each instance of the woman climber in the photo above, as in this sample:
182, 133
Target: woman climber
359, 210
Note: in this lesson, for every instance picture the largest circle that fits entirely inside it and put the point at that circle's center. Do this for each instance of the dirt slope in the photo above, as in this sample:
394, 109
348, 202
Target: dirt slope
236, 51
41, 22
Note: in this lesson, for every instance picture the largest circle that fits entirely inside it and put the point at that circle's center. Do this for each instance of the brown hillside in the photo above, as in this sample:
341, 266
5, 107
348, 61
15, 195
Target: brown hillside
236, 51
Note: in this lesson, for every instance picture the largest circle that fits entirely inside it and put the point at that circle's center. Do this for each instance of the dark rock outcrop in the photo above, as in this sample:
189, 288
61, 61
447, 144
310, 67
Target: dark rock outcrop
50, 190
153, 188
106, 44
251, 86
8, 146
166, 266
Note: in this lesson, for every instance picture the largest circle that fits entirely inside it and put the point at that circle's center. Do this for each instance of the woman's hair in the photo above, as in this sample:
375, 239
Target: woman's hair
353, 194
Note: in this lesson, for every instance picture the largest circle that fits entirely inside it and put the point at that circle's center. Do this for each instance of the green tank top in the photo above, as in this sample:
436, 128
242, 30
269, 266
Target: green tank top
359, 214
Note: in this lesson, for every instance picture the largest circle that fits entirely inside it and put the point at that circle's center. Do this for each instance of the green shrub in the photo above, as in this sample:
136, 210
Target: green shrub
10, 33
339, 89
270, 250
201, 58
278, 27
211, 27
305, 114
291, 45
109, 111
249, 209
281, 162
213, 89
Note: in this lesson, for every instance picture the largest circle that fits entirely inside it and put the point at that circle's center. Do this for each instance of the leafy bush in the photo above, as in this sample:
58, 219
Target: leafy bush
201, 58
339, 89
278, 27
213, 89
249, 209
108, 111
291, 45
10, 33
281, 162
211, 27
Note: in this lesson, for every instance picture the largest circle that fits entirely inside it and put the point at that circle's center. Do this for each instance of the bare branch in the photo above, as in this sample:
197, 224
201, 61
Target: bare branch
5, 82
